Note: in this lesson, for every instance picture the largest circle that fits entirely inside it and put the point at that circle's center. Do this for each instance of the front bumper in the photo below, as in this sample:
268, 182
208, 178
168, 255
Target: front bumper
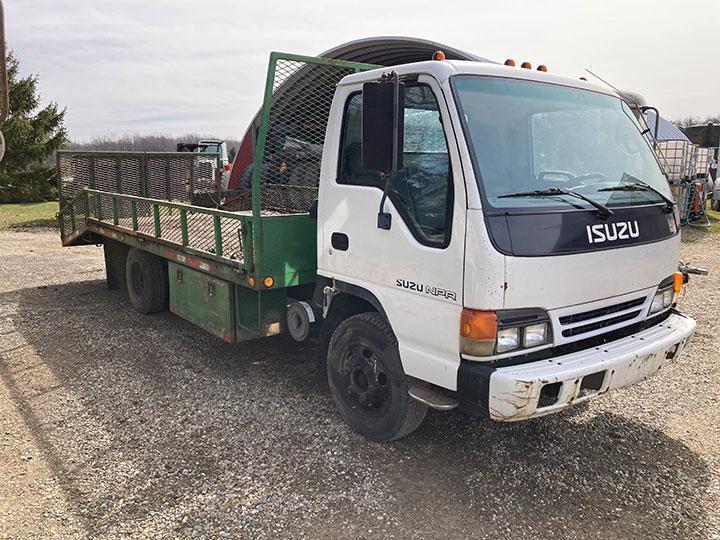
543, 387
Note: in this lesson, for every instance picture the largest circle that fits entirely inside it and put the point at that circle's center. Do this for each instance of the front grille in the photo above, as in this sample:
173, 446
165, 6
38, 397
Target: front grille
601, 312
600, 324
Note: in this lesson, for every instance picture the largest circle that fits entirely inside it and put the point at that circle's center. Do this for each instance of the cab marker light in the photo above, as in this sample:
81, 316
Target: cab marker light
510, 62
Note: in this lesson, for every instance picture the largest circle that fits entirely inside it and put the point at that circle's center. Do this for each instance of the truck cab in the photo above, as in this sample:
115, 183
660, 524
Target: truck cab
524, 258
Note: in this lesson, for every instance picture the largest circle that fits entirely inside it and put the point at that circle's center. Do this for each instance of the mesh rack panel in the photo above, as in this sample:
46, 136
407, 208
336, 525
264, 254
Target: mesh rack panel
296, 123
175, 176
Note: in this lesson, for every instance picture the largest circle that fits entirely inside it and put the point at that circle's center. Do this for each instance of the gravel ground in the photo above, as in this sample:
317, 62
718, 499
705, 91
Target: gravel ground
114, 425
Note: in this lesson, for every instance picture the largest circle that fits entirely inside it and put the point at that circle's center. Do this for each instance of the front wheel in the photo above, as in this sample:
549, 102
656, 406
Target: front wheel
367, 381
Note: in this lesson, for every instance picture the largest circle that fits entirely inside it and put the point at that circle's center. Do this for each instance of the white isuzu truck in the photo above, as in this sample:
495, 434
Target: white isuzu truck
454, 233
525, 257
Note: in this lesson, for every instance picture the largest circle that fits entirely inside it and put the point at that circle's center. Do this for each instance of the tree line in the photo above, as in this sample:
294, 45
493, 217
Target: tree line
147, 143
686, 121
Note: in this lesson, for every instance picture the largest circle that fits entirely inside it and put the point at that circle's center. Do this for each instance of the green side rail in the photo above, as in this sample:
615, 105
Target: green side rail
289, 239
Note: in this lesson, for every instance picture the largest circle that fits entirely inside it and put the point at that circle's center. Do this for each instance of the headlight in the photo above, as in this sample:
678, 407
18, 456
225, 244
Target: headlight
657, 303
668, 297
663, 299
535, 335
484, 333
508, 339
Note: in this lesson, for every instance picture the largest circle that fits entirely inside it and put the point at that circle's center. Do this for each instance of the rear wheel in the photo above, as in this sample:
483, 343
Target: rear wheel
147, 283
367, 381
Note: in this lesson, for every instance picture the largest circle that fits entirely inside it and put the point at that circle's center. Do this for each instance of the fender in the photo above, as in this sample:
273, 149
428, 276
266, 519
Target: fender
346, 288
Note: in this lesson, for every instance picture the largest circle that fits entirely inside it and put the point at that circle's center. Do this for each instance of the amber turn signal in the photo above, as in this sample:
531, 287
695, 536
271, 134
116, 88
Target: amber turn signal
478, 330
677, 282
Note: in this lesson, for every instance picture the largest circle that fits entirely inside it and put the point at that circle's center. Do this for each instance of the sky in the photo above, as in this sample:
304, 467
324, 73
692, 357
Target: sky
176, 66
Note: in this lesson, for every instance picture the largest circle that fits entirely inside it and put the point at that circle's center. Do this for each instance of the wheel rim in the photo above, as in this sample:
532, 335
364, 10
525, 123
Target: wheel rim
136, 279
363, 381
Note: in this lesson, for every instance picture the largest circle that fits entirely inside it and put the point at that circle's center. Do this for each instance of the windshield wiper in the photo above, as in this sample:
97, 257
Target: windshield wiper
603, 210
642, 186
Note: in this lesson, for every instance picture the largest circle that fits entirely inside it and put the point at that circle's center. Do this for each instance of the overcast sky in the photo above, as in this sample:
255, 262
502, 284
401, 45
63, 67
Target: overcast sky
175, 66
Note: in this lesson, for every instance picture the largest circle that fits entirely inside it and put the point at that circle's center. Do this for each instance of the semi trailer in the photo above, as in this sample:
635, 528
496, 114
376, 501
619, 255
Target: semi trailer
451, 233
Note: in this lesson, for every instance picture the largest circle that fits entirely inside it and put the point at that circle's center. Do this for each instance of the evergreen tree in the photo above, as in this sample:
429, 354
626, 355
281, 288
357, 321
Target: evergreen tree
31, 136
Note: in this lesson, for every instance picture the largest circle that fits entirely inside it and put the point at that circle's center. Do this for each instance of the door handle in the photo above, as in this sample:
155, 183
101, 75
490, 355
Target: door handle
340, 241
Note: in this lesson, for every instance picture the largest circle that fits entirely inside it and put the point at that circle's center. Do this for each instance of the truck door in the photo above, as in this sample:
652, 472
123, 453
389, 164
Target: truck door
415, 269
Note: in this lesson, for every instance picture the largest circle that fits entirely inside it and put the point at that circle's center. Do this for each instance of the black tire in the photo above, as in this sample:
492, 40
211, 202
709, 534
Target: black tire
147, 283
367, 381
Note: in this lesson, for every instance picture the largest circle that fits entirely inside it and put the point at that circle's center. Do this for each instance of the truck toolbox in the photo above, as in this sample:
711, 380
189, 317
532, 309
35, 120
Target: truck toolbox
203, 300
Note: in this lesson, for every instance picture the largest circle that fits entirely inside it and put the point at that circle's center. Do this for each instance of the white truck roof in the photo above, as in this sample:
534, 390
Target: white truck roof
443, 69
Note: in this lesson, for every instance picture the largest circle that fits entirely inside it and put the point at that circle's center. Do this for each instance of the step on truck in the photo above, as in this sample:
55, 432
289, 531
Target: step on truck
452, 233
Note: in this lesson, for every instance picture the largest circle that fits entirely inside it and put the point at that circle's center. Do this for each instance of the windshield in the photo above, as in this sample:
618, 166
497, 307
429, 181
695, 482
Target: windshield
210, 149
529, 136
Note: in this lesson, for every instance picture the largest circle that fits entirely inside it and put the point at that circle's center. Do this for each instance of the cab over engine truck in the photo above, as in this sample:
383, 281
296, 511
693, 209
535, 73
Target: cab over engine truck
454, 234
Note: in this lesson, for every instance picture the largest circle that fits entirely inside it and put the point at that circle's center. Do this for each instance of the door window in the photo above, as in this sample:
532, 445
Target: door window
422, 189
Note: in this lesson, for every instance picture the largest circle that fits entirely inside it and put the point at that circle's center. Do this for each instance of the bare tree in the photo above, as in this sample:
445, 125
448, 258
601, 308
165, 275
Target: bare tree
144, 143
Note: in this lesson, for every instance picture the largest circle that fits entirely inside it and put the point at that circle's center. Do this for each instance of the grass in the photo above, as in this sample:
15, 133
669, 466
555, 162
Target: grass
22, 216
714, 220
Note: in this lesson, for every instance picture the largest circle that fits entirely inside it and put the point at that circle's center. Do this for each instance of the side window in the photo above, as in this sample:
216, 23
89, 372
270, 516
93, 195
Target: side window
422, 189
351, 171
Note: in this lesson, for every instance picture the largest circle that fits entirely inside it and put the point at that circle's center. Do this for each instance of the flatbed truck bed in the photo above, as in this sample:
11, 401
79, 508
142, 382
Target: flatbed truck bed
229, 271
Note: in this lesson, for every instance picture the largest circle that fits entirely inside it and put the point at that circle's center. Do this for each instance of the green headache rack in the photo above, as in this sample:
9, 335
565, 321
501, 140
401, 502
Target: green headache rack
288, 149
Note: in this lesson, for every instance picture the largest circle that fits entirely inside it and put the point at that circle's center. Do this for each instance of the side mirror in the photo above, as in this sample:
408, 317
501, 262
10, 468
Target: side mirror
383, 116
4, 98
382, 125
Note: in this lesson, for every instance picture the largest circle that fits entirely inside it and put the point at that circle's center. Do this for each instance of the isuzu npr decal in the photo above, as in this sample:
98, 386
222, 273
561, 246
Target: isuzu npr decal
428, 289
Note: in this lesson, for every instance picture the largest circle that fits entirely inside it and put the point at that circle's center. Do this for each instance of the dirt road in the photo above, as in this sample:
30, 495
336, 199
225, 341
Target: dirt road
113, 424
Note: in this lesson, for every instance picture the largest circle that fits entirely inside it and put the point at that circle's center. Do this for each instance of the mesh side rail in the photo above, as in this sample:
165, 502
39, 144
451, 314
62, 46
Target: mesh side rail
71, 217
210, 232
174, 176
298, 95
